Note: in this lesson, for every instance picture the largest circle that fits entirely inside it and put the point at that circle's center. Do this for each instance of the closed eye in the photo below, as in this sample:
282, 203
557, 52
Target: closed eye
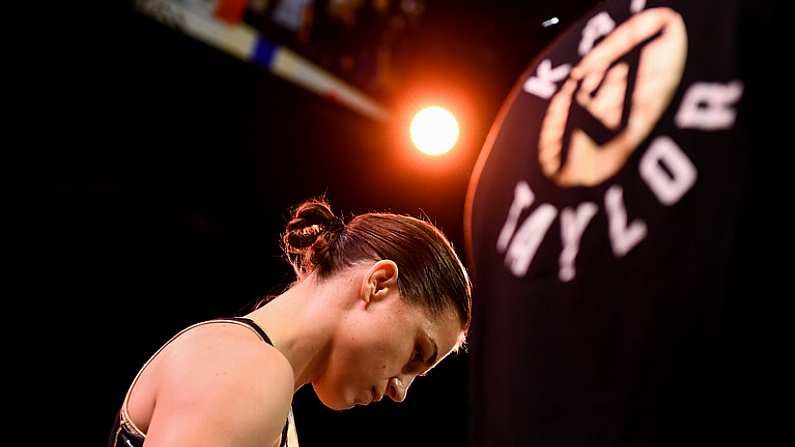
417, 357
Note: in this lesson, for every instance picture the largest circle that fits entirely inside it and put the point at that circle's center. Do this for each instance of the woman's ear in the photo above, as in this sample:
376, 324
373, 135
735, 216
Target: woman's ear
379, 280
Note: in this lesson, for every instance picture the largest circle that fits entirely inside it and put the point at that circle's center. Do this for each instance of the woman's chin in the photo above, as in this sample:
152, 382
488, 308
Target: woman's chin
339, 406
337, 403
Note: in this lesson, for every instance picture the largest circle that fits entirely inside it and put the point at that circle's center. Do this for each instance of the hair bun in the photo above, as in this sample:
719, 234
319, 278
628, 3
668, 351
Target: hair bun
311, 231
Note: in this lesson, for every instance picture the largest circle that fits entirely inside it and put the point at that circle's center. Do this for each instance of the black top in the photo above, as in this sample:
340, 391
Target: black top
124, 434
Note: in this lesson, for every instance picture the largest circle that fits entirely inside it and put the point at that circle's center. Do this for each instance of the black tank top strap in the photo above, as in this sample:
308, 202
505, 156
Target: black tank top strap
254, 326
284, 433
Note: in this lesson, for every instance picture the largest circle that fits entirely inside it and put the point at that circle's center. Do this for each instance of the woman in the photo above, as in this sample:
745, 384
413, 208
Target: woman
377, 302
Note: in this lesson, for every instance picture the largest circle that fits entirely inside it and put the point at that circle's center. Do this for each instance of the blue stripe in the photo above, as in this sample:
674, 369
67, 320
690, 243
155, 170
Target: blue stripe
264, 51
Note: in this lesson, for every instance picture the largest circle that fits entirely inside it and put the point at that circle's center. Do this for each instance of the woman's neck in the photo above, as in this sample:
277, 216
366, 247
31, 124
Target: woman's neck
301, 322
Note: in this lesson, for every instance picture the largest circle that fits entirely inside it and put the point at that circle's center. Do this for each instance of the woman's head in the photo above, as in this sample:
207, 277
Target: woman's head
416, 297
431, 274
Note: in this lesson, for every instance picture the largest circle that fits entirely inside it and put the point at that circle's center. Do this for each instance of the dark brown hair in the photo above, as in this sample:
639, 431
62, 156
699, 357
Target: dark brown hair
431, 274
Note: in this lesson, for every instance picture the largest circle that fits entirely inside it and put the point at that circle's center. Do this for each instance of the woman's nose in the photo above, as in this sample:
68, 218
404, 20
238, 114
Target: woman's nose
398, 387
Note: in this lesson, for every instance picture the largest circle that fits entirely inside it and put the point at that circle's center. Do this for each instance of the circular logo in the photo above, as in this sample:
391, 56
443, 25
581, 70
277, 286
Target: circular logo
612, 99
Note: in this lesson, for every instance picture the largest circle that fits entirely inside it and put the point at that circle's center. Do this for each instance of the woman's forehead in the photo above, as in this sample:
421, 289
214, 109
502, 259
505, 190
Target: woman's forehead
444, 331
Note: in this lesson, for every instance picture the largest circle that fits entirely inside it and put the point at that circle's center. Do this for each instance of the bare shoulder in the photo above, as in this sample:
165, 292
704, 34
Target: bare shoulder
222, 385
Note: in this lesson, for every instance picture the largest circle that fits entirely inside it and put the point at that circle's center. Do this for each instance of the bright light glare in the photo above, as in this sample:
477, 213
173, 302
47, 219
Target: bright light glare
434, 130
